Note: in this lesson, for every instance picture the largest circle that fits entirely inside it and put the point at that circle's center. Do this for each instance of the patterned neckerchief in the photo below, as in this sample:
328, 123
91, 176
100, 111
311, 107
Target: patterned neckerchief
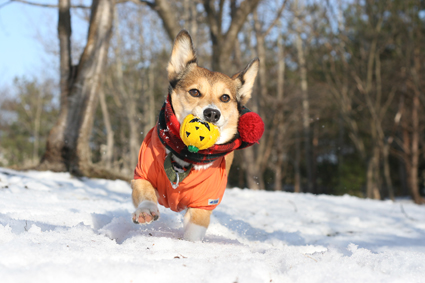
169, 134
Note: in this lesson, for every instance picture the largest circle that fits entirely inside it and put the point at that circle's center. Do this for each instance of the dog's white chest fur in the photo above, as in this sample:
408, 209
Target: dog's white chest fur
187, 164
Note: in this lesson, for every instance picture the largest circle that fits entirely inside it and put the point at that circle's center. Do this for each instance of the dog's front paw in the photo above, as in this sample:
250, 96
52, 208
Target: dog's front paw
146, 212
193, 232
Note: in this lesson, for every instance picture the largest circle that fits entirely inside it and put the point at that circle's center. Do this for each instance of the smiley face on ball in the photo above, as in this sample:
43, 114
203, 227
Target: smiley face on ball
198, 134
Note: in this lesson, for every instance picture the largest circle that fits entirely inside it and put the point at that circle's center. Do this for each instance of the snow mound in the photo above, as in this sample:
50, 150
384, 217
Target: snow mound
58, 228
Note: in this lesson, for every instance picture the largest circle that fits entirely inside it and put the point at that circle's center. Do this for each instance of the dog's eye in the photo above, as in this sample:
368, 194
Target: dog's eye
225, 98
194, 92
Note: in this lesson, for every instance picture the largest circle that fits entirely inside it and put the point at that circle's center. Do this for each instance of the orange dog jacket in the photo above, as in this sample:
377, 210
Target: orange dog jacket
200, 189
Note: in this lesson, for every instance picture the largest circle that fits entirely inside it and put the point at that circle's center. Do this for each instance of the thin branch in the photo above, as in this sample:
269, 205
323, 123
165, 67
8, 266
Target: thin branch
6, 3
150, 4
220, 16
44, 5
405, 214
166, 14
279, 13
211, 17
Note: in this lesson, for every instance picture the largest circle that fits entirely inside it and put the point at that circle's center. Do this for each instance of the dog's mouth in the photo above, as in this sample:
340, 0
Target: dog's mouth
213, 115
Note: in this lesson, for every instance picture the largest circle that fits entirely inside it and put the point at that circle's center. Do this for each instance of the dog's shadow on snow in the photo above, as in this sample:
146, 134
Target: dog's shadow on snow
118, 226
19, 226
244, 230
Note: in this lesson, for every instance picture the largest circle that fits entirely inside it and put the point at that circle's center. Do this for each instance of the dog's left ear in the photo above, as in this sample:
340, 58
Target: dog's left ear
183, 55
245, 80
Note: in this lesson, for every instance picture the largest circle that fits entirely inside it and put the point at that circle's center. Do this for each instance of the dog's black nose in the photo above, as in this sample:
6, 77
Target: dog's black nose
212, 115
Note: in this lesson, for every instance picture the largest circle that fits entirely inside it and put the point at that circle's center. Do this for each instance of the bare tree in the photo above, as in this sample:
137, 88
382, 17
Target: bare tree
411, 124
223, 42
37, 126
108, 150
304, 95
129, 99
53, 158
257, 161
167, 14
68, 143
281, 129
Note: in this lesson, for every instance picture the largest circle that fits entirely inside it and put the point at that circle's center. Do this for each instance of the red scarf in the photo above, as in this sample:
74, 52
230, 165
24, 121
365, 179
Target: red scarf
169, 134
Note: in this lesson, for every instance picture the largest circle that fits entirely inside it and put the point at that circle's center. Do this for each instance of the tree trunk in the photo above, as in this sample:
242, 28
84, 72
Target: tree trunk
223, 42
252, 177
372, 179
194, 22
416, 71
413, 174
411, 144
68, 143
297, 173
305, 101
134, 137
107, 155
254, 161
403, 176
36, 129
314, 154
149, 109
167, 14
340, 146
130, 105
387, 174
53, 158
83, 96
410, 161
281, 127
191, 23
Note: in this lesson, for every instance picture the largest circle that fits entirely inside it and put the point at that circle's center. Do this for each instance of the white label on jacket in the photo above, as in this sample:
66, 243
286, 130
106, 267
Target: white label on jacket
213, 201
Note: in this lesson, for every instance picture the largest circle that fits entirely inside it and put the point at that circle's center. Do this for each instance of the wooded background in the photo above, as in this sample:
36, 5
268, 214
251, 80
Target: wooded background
341, 89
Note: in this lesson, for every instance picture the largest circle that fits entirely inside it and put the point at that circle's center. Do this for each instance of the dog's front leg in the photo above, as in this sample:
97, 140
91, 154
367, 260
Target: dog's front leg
145, 201
196, 222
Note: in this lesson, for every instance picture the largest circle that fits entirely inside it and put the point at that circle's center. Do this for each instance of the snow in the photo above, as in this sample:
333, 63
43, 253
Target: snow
58, 228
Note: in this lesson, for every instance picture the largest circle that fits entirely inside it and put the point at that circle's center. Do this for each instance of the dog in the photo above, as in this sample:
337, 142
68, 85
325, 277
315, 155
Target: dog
163, 159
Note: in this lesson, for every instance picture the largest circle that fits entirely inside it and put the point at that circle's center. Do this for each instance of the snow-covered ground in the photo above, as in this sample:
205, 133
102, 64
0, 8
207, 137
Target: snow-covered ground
56, 228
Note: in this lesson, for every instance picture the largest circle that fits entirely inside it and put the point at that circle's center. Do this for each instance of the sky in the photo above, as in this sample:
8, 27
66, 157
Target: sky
20, 51
28, 40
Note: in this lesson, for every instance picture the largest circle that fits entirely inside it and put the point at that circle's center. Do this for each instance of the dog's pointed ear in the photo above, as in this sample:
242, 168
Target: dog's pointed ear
245, 81
183, 55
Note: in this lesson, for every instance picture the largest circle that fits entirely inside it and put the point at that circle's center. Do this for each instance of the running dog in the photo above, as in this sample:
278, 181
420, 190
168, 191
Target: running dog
167, 173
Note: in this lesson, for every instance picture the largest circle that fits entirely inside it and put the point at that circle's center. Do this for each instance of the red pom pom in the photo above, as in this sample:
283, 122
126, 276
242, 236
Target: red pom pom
250, 127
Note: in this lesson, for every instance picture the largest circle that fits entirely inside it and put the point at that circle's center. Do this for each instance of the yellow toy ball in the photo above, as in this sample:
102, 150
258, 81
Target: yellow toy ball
198, 134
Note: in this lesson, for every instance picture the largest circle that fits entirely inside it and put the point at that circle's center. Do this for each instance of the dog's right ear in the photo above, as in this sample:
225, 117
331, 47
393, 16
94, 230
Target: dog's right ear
182, 56
245, 81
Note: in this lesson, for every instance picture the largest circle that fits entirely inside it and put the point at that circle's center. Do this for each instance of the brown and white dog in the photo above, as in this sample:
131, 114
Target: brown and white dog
212, 96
